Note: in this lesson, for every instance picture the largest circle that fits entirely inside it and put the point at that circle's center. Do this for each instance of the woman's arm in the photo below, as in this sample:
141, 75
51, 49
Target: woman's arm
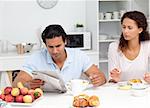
113, 62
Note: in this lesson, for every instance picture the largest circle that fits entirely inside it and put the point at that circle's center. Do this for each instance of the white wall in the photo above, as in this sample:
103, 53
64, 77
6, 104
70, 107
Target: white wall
92, 22
20, 20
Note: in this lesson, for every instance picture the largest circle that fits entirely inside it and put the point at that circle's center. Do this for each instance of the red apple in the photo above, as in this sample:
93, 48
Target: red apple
33, 98
24, 91
2, 96
7, 90
19, 98
9, 98
37, 95
39, 90
27, 99
15, 92
31, 91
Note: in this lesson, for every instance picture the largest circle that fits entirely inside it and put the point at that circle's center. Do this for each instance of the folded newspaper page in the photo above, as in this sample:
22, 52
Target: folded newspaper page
53, 81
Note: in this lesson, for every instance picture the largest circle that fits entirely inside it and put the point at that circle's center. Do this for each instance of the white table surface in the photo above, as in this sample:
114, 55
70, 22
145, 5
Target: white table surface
110, 97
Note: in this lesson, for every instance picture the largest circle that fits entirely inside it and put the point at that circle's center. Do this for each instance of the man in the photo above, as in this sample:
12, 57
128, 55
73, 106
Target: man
70, 62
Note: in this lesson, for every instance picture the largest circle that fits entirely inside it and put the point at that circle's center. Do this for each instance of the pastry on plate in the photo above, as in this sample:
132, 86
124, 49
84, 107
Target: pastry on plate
93, 101
84, 100
134, 81
81, 101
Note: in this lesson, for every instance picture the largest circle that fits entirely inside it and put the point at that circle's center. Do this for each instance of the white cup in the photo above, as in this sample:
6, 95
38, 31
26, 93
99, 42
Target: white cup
122, 12
77, 86
108, 16
115, 15
101, 15
4, 46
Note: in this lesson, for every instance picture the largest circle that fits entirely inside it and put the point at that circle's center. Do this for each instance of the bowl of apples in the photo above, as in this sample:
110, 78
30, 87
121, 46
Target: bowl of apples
21, 95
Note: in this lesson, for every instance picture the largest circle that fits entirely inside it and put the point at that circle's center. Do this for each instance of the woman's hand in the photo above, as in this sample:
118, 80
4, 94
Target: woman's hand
115, 75
147, 77
35, 83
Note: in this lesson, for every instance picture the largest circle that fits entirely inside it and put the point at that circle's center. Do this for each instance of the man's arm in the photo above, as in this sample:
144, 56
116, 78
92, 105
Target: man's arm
96, 76
21, 77
27, 80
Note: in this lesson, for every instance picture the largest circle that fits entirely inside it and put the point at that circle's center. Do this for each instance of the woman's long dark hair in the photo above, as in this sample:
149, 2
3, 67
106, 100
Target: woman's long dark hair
141, 22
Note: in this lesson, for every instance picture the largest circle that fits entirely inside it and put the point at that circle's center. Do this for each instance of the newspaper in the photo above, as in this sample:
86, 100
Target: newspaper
53, 81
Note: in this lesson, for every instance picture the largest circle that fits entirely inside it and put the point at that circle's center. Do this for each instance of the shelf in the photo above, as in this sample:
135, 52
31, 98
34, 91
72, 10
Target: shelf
114, 0
111, 20
108, 40
103, 60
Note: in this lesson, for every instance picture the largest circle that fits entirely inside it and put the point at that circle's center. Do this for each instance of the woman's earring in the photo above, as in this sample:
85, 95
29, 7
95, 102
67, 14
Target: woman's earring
65, 43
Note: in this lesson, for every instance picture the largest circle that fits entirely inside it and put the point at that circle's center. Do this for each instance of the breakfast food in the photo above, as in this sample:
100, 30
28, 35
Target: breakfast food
20, 94
84, 100
133, 81
125, 87
93, 101
81, 101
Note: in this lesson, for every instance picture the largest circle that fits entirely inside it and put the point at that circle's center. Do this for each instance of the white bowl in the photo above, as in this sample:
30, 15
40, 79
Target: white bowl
139, 86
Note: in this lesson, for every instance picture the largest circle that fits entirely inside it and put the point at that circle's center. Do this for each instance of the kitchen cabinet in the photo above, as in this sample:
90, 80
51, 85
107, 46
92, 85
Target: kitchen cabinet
109, 14
109, 27
12, 61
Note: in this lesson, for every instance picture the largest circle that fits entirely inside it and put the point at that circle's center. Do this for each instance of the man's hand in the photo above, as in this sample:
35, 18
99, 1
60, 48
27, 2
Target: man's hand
27, 80
96, 76
35, 83
97, 79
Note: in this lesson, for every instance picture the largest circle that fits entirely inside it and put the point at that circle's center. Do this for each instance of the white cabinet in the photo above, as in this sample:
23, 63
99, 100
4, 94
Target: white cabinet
93, 55
109, 14
109, 27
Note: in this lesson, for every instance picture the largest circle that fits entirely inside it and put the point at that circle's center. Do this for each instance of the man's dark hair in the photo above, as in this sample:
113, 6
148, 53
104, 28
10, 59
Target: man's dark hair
53, 31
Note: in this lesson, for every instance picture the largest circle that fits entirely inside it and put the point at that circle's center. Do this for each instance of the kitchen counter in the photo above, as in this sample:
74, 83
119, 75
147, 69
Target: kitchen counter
12, 61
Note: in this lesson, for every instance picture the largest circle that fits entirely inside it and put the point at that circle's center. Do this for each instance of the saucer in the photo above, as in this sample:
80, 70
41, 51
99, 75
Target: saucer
139, 86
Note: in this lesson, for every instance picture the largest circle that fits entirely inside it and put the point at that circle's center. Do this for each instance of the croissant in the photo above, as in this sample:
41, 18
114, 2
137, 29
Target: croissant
135, 81
93, 101
84, 100
81, 101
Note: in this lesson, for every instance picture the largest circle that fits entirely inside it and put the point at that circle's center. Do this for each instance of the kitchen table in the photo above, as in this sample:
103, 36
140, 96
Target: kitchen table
109, 94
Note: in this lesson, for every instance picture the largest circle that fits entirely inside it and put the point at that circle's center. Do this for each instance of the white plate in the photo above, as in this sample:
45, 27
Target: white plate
25, 104
84, 107
135, 86
21, 104
139, 86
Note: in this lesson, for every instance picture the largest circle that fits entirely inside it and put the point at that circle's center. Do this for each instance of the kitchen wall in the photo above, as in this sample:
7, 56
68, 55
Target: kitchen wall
22, 20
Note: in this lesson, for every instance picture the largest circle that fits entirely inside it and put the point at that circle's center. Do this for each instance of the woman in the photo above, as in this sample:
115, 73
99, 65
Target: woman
129, 58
